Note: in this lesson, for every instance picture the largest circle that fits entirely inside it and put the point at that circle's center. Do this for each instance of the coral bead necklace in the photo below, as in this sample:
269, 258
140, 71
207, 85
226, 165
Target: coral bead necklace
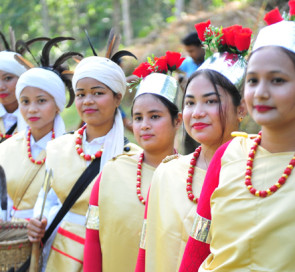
189, 180
191, 172
29, 147
138, 183
248, 174
79, 148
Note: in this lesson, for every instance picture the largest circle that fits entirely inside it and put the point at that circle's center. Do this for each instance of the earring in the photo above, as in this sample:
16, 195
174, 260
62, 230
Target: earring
240, 119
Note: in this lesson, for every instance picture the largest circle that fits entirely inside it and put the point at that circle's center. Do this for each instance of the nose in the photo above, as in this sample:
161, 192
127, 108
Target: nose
88, 99
198, 111
261, 91
33, 108
145, 124
2, 85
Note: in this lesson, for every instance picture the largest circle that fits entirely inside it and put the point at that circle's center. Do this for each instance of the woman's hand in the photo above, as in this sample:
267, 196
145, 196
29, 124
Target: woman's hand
36, 229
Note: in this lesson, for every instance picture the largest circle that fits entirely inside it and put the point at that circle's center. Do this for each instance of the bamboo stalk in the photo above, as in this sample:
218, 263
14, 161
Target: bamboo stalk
35, 256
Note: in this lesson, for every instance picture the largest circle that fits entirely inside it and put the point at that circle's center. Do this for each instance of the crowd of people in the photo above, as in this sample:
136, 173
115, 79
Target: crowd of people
113, 205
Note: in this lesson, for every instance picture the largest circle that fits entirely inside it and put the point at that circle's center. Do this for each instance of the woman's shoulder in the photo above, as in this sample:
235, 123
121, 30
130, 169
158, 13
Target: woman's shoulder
67, 138
130, 155
131, 149
16, 139
172, 163
237, 148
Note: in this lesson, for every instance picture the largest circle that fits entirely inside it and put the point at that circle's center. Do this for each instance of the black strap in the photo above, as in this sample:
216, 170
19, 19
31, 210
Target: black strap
81, 184
9, 132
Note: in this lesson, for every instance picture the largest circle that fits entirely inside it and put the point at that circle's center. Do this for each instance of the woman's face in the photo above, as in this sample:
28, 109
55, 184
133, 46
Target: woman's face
96, 103
152, 124
201, 114
38, 108
7, 89
270, 89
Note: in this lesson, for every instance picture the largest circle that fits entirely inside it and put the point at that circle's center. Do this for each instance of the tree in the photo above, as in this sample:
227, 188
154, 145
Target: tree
127, 28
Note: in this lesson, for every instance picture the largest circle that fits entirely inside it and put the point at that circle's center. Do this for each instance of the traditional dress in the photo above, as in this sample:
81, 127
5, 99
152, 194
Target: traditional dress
24, 178
67, 248
170, 214
24, 184
244, 227
120, 229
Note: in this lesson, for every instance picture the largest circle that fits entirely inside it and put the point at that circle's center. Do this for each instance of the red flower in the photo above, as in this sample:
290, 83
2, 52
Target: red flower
292, 7
272, 17
143, 70
201, 29
229, 34
161, 65
243, 39
174, 60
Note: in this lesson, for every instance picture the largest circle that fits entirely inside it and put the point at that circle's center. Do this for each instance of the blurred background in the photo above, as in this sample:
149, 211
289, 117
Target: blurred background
147, 27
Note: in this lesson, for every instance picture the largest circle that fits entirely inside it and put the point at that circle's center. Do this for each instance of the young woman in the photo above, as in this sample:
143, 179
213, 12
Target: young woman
248, 197
10, 117
99, 85
112, 245
41, 95
211, 112
212, 109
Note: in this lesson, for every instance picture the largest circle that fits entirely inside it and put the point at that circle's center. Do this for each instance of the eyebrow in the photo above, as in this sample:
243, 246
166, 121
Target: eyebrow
41, 95
8, 74
151, 111
204, 95
271, 72
92, 88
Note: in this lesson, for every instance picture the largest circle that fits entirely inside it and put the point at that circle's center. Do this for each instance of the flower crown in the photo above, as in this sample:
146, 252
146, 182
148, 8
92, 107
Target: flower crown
233, 39
274, 16
164, 64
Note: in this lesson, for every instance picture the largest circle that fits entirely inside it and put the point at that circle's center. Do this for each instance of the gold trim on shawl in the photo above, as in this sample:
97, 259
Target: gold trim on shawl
92, 218
143, 235
200, 230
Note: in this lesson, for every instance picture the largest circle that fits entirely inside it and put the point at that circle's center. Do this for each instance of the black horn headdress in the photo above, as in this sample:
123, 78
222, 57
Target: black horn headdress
57, 66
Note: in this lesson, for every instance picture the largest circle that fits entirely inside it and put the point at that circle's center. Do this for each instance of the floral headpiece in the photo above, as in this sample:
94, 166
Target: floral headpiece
280, 30
154, 78
232, 45
170, 62
233, 39
274, 16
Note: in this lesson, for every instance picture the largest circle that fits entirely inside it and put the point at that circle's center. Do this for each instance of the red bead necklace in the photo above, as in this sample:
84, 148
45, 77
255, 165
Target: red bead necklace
191, 172
79, 148
29, 147
138, 183
5, 136
248, 175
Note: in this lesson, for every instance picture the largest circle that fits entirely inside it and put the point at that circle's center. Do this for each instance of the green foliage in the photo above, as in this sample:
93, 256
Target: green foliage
217, 3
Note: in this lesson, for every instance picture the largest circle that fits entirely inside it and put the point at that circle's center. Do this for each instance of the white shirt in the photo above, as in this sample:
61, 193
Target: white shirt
9, 119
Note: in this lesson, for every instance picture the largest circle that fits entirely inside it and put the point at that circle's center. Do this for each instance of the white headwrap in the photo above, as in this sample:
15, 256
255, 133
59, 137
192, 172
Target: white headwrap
9, 64
49, 82
279, 34
103, 70
109, 73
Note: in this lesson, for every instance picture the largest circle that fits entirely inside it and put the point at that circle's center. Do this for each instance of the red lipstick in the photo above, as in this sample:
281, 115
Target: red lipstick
263, 108
200, 125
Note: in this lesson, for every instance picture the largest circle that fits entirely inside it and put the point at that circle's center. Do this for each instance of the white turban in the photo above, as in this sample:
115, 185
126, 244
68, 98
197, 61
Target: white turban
9, 64
49, 82
103, 70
